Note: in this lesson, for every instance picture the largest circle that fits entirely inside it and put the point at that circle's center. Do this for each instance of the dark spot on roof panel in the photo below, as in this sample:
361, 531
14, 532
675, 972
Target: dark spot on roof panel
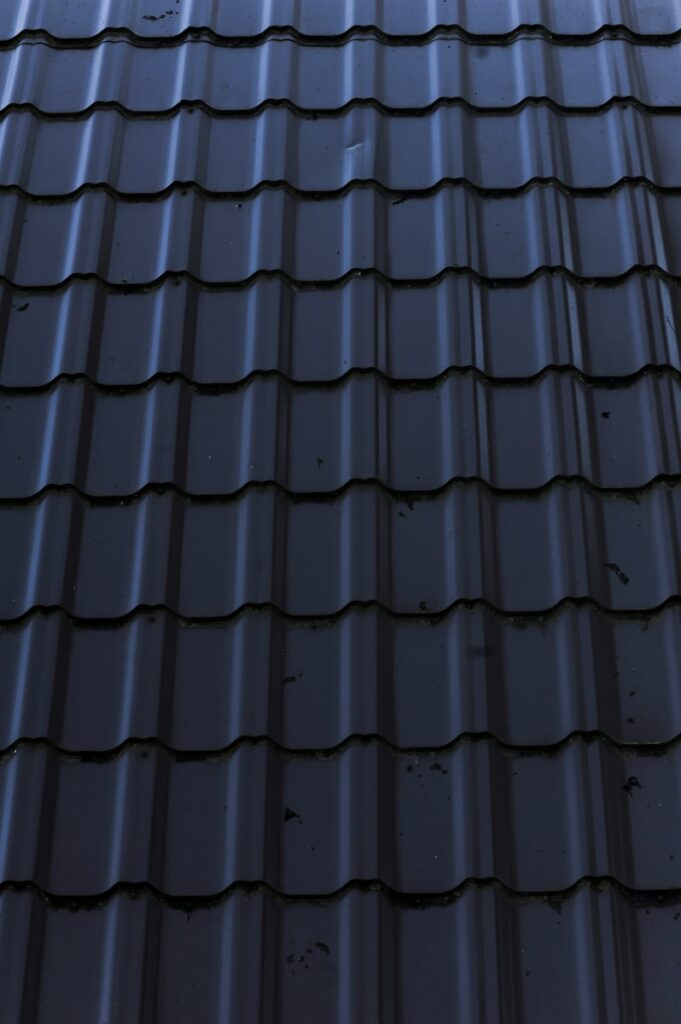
614, 567
631, 784
339, 464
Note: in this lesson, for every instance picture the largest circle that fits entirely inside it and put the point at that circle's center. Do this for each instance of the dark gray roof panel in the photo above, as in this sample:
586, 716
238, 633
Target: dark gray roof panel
215, 241
223, 336
505, 151
419, 823
338, 960
78, 19
314, 558
416, 683
57, 81
318, 440
593, 954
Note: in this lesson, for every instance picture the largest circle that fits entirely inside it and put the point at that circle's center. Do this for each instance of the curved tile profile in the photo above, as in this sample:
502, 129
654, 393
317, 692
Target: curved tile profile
414, 333
314, 558
136, 243
309, 826
66, 81
418, 684
508, 151
155, 20
319, 440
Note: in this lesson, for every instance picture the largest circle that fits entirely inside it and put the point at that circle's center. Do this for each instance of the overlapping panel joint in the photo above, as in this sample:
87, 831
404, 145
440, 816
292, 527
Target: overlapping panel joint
339, 512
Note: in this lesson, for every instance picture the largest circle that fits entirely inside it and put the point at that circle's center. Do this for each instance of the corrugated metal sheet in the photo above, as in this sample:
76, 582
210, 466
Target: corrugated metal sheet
339, 511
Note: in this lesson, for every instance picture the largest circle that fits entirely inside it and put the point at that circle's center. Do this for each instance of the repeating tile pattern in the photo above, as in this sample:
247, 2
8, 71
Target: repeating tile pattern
340, 445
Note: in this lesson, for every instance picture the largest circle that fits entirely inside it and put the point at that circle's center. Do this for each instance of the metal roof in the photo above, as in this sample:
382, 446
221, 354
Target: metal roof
340, 439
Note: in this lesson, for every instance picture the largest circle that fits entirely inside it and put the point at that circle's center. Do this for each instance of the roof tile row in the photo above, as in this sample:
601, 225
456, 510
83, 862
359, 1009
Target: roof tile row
314, 558
74, 19
223, 155
319, 440
56, 80
45, 244
224, 335
417, 683
254, 957
418, 823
